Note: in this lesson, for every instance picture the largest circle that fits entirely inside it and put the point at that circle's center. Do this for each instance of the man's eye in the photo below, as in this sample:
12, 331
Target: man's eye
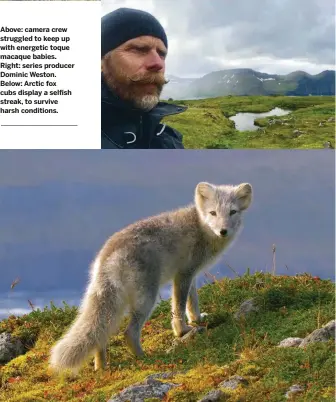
213, 213
232, 212
138, 49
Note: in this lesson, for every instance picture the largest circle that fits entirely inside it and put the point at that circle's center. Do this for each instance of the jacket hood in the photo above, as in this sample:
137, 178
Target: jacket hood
160, 110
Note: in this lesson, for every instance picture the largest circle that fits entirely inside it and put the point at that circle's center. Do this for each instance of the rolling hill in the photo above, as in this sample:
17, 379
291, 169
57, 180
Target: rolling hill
248, 82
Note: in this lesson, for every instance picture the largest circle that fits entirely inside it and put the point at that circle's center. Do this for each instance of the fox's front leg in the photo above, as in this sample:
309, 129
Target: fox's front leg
181, 286
193, 312
100, 358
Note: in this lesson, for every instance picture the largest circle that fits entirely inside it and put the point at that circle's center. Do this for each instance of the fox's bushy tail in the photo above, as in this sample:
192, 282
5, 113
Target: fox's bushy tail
99, 317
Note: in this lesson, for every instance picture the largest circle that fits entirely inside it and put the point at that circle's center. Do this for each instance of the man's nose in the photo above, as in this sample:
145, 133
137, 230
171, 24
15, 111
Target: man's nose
155, 61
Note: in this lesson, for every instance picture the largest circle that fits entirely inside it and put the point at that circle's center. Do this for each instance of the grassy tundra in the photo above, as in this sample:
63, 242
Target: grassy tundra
289, 306
206, 124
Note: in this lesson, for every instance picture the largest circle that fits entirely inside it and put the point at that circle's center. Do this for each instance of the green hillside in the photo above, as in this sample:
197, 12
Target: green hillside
288, 306
206, 124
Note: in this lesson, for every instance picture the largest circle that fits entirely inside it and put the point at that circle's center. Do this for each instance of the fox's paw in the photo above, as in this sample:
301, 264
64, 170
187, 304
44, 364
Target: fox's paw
187, 329
203, 316
188, 334
199, 319
182, 331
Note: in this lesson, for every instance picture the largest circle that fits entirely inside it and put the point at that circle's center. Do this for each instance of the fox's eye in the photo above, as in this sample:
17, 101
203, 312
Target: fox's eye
232, 212
213, 213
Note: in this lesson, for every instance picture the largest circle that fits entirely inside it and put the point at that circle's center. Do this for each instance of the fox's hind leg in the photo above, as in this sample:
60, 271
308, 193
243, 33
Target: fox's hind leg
100, 359
141, 308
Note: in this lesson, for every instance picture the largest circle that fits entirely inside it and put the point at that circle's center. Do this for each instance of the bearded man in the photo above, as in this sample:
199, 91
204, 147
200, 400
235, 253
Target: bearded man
134, 47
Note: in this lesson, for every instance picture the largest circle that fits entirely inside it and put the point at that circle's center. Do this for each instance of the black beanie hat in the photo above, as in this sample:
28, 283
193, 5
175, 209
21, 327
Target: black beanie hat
124, 24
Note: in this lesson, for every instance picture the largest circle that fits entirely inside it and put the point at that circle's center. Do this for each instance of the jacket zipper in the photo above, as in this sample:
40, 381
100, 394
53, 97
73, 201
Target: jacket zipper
150, 142
141, 128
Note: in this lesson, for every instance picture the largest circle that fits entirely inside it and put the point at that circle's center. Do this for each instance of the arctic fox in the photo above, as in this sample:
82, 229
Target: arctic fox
135, 262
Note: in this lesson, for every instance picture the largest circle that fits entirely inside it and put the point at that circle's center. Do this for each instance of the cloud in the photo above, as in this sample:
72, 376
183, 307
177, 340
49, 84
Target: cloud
272, 36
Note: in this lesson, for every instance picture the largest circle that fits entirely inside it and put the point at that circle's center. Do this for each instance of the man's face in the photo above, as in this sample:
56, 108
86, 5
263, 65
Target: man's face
135, 71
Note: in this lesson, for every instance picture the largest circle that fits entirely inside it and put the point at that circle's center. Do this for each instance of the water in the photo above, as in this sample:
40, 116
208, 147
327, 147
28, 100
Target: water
245, 121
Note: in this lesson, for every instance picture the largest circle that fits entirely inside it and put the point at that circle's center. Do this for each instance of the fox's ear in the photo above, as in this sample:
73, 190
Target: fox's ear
204, 190
244, 195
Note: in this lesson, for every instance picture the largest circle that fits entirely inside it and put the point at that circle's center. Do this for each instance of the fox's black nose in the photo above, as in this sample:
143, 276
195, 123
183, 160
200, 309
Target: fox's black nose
223, 232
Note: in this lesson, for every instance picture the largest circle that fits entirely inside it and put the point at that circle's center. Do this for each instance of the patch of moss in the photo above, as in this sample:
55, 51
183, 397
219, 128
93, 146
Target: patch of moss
289, 306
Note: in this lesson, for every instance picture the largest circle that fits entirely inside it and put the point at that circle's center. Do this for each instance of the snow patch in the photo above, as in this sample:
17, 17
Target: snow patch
266, 79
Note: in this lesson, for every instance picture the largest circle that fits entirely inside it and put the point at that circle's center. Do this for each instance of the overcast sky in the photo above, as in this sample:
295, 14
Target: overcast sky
59, 207
271, 36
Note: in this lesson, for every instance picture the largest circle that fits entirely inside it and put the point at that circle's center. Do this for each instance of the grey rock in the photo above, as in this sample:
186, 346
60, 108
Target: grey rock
277, 121
331, 119
274, 121
330, 327
246, 308
297, 133
215, 395
328, 144
233, 382
294, 389
320, 335
10, 347
321, 124
290, 342
150, 388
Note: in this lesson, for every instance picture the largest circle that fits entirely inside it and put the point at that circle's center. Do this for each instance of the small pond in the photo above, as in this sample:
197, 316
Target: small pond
245, 121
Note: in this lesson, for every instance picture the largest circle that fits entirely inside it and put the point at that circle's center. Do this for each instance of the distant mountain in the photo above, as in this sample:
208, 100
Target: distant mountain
245, 81
177, 87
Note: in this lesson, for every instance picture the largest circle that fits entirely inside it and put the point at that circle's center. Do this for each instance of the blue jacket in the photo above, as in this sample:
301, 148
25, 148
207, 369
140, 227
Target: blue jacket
124, 127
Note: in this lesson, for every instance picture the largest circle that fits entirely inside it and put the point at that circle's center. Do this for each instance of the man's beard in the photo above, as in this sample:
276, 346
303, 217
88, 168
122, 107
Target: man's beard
134, 88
